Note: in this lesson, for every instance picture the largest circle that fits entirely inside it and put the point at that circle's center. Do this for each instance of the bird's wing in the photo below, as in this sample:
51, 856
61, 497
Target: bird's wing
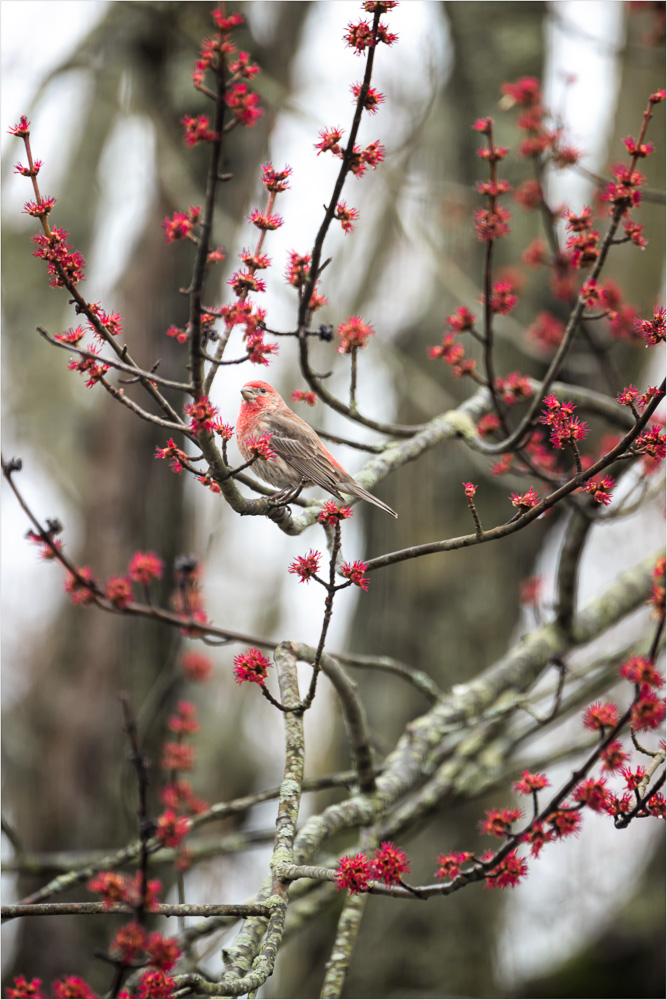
303, 452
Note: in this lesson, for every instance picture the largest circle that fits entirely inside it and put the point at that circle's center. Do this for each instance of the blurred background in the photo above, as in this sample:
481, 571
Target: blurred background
105, 98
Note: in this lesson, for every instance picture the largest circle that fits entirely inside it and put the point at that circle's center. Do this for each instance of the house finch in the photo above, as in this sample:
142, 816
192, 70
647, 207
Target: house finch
301, 460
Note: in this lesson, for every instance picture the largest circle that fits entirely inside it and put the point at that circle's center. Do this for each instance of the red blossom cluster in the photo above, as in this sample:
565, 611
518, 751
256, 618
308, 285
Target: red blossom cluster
251, 665
354, 572
354, 334
565, 429
68, 986
306, 567
181, 225
331, 513
196, 666
215, 52
356, 872
362, 36
64, 265
583, 244
203, 415
301, 396
260, 446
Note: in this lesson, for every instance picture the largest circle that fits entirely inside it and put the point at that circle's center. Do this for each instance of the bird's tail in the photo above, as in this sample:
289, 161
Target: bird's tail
354, 489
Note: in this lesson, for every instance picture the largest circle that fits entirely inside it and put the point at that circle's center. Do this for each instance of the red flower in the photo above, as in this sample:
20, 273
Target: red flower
488, 424
461, 320
613, 757
346, 216
152, 893
529, 783
547, 330
251, 666
526, 501
652, 330
298, 269
329, 140
593, 792
353, 333
128, 942
499, 821
354, 572
373, 98
78, 591
172, 828
525, 91
599, 489
113, 887
23, 988
306, 566
508, 873
185, 720
245, 281
584, 248
565, 822
197, 130
599, 716
634, 778
39, 209
564, 427
243, 67
22, 130
203, 415
119, 591
163, 952
71, 987
373, 154
258, 349
656, 806
651, 444
261, 446
265, 222
181, 224
640, 150
63, 263
177, 457
514, 387
529, 195
389, 864
72, 336
144, 566
450, 864
156, 984
228, 23
331, 513
178, 796
470, 489
177, 756
491, 224
537, 837
635, 233
196, 666
641, 670
306, 397
648, 712
354, 873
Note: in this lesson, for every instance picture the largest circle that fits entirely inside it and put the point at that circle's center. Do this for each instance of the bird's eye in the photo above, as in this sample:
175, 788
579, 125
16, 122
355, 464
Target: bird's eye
262, 390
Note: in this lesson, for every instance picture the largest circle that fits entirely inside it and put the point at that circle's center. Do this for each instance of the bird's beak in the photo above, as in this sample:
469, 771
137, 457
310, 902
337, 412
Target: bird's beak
248, 394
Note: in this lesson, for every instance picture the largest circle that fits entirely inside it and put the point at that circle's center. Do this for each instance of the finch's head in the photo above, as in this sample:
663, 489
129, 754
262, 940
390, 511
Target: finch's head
260, 396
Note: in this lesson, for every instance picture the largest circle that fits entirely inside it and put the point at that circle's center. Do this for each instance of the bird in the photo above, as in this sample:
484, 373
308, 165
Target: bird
301, 460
